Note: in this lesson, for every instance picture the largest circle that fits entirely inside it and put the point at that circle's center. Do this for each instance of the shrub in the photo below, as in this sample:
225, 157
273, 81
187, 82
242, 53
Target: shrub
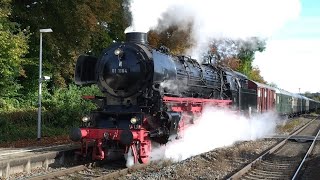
61, 110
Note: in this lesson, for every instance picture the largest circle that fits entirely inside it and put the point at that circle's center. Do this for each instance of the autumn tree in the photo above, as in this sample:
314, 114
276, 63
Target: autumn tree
78, 27
13, 45
255, 75
178, 40
247, 50
238, 54
231, 62
175, 35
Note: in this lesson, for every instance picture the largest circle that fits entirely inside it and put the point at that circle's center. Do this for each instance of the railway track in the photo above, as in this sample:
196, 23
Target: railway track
109, 170
309, 167
61, 173
284, 160
114, 172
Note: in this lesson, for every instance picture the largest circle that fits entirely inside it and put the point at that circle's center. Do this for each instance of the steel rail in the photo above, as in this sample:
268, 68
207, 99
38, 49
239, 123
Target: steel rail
306, 156
59, 173
244, 170
122, 172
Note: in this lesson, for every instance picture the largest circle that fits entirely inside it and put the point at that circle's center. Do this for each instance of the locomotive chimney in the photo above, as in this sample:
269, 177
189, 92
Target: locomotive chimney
137, 37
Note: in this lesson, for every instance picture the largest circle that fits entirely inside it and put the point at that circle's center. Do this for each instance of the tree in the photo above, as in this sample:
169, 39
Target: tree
13, 45
308, 94
177, 39
256, 76
247, 50
272, 84
78, 27
238, 54
223, 51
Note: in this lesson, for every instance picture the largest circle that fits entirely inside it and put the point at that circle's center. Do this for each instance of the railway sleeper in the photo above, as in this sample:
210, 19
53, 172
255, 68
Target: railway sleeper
264, 176
280, 165
260, 171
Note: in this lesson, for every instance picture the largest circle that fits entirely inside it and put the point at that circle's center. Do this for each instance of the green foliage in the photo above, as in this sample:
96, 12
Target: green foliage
246, 54
13, 45
66, 107
237, 54
254, 74
60, 110
22, 124
78, 27
315, 96
18, 124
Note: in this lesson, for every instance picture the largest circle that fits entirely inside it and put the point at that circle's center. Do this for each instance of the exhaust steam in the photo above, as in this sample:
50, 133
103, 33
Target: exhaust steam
213, 19
216, 128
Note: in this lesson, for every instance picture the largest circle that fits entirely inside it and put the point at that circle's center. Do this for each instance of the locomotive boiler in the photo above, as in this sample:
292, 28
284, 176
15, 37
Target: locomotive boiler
148, 95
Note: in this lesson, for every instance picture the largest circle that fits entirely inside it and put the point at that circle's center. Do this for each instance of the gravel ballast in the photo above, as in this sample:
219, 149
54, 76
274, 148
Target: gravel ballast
216, 164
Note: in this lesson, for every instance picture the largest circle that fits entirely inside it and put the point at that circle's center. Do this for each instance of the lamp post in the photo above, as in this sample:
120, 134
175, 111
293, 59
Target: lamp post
40, 81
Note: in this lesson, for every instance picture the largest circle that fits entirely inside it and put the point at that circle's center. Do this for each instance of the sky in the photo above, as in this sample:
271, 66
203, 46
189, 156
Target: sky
291, 27
292, 56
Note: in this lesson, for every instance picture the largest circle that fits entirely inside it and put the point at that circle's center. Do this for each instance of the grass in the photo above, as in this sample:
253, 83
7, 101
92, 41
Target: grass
289, 126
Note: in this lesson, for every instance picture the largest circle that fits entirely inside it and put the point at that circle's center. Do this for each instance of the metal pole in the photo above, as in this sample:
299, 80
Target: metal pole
40, 81
40, 89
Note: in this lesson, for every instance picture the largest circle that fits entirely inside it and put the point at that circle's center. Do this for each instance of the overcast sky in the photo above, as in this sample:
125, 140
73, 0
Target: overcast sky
292, 57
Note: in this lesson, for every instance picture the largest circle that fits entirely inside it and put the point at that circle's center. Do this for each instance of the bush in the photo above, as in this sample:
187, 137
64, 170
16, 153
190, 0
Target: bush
61, 110
18, 124
66, 106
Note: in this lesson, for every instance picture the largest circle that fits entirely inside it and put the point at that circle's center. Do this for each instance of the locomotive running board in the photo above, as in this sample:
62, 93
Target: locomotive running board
196, 100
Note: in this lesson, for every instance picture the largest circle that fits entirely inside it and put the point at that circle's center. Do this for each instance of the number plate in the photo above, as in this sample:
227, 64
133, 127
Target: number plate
120, 70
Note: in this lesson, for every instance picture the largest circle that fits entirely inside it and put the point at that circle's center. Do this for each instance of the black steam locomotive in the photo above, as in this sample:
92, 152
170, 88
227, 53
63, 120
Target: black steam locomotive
148, 96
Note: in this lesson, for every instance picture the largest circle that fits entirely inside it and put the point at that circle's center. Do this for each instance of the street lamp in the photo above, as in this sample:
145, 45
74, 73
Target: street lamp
40, 81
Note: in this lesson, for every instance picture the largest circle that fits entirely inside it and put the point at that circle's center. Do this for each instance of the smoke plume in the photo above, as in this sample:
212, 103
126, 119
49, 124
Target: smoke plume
216, 128
213, 18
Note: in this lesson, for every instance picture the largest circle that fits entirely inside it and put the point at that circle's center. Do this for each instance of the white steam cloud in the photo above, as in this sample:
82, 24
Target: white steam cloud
216, 128
211, 19
174, 86
216, 18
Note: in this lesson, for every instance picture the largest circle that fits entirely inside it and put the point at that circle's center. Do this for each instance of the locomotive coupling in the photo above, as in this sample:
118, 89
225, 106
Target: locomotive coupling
76, 134
126, 137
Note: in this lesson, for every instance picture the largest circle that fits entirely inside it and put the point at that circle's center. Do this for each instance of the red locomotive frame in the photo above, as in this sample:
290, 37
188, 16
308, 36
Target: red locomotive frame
141, 135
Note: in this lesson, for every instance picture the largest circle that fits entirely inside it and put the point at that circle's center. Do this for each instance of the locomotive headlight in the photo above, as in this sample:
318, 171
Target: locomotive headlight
118, 52
133, 120
85, 118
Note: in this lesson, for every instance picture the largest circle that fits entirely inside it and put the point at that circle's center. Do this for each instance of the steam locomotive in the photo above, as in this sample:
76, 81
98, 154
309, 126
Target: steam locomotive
150, 96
